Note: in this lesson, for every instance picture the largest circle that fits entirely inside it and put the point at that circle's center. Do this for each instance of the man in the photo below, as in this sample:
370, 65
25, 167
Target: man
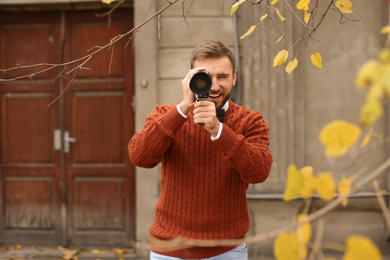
207, 165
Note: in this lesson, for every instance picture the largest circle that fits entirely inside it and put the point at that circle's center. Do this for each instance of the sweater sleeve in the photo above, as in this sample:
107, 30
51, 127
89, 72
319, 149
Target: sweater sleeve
147, 147
249, 153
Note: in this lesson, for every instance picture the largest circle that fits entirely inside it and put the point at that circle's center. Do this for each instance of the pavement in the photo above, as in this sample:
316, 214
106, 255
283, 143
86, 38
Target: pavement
59, 253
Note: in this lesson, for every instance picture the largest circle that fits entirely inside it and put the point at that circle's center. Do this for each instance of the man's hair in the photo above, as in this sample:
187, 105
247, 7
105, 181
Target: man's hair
212, 49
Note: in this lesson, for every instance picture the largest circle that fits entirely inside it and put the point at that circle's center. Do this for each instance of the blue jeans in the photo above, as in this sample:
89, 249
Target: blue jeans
238, 253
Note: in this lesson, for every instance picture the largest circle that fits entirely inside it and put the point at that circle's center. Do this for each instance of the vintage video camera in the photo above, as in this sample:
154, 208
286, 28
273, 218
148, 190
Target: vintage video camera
200, 85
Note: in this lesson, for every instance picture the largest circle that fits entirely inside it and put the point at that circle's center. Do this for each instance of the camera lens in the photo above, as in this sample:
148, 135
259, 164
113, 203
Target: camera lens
200, 83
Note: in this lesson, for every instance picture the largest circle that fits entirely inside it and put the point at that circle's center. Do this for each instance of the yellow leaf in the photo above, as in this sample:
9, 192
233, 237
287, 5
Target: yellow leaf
303, 5
338, 136
344, 188
235, 7
119, 251
307, 17
286, 247
316, 59
385, 30
17, 246
293, 184
97, 251
108, 1
281, 37
304, 231
368, 73
325, 186
274, 2
344, 6
361, 248
384, 55
248, 32
375, 93
370, 112
385, 80
291, 66
366, 138
308, 182
280, 58
279, 15
263, 17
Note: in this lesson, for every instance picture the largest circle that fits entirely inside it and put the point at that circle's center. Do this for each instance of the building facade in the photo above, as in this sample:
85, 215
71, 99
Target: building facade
65, 176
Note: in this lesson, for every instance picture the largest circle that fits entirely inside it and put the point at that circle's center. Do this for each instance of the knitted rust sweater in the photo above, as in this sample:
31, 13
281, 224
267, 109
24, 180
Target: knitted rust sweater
203, 182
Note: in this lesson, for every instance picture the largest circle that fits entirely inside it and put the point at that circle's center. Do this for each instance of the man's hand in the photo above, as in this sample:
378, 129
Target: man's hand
188, 99
205, 113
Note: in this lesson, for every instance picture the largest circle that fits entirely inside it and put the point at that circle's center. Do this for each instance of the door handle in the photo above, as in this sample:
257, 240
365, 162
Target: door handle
57, 139
67, 141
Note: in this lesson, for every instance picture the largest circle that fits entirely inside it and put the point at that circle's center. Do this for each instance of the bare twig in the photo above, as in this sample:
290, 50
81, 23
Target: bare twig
159, 29
318, 239
108, 13
64, 90
302, 22
184, 15
382, 204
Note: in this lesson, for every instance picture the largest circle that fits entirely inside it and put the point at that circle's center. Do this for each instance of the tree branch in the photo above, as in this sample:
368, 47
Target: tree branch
85, 58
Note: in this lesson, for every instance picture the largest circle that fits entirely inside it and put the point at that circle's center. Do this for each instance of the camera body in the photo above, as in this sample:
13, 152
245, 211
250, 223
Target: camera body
200, 85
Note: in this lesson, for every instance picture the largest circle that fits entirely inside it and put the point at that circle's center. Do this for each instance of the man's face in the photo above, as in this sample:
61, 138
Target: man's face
223, 78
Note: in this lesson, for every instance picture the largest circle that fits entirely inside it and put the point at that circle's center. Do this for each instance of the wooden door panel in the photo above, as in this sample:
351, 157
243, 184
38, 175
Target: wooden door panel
27, 128
29, 166
85, 41
27, 43
100, 176
97, 121
29, 203
98, 203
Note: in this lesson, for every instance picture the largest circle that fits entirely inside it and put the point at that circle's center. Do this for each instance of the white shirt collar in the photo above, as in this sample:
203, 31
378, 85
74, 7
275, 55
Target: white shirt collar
226, 106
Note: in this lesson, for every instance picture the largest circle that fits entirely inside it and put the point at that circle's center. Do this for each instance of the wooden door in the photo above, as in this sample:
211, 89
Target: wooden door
100, 118
30, 170
53, 191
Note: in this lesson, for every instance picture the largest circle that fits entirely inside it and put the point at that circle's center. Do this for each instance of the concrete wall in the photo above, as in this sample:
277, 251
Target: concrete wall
298, 105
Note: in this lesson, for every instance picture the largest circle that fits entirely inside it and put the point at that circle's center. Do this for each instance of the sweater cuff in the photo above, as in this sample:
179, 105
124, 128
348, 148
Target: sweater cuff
173, 120
227, 139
